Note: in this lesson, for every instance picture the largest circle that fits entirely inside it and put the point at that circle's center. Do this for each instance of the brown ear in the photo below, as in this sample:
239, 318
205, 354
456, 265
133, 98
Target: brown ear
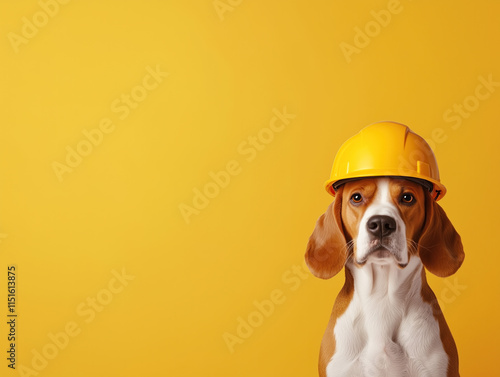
440, 247
327, 250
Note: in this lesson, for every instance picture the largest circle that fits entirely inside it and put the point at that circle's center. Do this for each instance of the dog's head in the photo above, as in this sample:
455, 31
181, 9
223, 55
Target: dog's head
383, 220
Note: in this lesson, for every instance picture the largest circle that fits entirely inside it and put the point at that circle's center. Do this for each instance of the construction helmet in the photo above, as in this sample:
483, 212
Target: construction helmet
386, 149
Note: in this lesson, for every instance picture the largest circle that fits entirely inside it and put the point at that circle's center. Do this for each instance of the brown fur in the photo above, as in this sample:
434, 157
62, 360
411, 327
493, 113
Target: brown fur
341, 303
444, 331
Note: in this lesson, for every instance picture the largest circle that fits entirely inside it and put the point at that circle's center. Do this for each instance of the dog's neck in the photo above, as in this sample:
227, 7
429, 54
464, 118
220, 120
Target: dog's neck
384, 294
377, 281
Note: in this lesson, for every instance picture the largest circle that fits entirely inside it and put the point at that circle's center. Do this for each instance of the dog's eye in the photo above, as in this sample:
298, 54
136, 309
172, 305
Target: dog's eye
407, 198
356, 198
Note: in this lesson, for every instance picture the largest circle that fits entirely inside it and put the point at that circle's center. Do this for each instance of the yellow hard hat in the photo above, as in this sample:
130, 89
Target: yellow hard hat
386, 149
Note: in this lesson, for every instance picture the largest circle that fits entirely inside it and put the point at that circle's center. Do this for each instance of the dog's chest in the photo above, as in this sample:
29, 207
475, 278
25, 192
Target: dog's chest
386, 333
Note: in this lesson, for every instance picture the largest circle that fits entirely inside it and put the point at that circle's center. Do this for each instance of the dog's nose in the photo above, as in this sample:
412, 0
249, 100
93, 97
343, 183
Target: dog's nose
381, 226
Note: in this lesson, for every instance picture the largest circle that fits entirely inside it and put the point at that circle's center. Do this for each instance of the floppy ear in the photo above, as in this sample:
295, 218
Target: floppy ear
326, 250
440, 247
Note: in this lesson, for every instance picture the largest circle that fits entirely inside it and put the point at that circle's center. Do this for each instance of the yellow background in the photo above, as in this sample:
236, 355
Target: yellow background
120, 207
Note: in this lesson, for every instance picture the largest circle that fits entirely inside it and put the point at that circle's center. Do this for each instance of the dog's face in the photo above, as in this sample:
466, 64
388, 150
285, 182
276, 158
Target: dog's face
383, 220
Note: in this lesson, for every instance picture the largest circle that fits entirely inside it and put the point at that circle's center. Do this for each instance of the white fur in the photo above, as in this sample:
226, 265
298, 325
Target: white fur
387, 329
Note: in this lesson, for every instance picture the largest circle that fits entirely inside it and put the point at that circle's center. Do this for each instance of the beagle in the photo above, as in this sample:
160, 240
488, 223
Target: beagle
386, 320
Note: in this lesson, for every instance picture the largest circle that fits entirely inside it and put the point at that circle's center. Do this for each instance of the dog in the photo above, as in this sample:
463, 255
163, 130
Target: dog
386, 321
